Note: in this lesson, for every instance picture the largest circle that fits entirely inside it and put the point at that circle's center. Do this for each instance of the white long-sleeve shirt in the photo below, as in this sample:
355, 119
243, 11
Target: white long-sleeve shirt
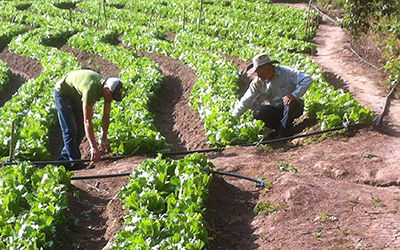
285, 81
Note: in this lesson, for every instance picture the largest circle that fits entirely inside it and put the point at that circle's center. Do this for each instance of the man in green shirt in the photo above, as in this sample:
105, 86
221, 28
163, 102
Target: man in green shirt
75, 95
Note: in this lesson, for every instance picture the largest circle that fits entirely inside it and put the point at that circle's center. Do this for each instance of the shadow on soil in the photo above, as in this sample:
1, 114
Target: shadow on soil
162, 106
11, 87
89, 232
229, 215
55, 141
336, 81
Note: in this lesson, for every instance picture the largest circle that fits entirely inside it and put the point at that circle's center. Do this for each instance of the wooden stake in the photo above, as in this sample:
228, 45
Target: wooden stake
105, 12
12, 142
184, 17
308, 18
378, 120
98, 15
151, 17
70, 16
199, 20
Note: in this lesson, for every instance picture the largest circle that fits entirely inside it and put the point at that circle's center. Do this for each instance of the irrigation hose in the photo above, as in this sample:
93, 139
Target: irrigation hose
61, 162
259, 182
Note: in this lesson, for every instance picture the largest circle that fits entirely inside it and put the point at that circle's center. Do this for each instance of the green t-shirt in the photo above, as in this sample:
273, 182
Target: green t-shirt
85, 85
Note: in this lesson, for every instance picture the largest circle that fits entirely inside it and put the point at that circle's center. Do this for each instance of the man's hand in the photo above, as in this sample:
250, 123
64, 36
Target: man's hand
95, 154
105, 145
287, 100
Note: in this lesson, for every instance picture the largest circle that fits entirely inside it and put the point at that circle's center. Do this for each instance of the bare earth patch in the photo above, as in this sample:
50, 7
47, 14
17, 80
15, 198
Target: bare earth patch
22, 69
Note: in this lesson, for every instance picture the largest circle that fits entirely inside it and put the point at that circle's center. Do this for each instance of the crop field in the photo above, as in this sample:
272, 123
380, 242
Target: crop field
182, 64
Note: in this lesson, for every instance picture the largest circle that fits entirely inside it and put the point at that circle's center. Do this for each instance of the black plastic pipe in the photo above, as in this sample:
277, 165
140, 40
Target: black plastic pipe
58, 162
101, 176
259, 182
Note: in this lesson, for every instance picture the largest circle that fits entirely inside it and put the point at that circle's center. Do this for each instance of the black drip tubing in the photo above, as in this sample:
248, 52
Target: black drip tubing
58, 162
259, 182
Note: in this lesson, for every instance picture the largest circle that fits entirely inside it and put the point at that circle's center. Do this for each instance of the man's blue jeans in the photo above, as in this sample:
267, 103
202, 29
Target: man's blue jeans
70, 116
280, 118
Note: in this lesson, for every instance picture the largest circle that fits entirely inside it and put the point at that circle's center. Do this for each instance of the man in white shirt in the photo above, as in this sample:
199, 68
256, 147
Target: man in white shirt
282, 87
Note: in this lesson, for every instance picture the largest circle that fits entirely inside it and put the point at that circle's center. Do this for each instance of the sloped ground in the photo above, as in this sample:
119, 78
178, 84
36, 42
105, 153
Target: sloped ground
344, 191
22, 69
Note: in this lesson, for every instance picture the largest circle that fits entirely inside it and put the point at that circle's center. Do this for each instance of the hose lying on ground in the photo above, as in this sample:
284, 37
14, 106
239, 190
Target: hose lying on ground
265, 142
259, 182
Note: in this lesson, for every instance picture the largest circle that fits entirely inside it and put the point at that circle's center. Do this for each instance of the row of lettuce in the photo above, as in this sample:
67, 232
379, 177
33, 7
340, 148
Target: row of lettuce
34, 206
215, 90
132, 132
165, 202
6, 33
165, 199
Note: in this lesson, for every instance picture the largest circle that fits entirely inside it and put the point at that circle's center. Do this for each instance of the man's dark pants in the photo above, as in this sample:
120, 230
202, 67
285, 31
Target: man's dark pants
280, 118
70, 116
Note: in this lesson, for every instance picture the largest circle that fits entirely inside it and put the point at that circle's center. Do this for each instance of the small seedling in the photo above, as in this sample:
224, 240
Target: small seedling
234, 220
268, 186
94, 187
265, 207
324, 217
394, 209
369, 155
87, 213
377, 202
77, 194
353, 201
292, 229
318, 236
286, 167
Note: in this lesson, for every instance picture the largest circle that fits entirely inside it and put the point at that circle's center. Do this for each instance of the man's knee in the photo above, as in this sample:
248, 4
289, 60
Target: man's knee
258, 114
296, 109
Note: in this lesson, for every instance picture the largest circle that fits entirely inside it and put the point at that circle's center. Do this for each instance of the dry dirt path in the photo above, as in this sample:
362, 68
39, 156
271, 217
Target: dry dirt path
344, 69
335, 58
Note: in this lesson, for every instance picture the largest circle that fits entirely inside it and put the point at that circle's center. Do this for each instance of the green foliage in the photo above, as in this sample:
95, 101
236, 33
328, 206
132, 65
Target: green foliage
4, 75
232, 29
165, 200
133, 131
31, 109
265, 208
33, 206
382, 17
286, 167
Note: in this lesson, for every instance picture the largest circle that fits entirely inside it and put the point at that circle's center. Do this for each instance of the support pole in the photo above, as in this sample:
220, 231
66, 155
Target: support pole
308, 24
184, 17
379, 118
151, 18
99, 15
247, 26
70, 16
201, 10
155, 21
12, 139
105, 12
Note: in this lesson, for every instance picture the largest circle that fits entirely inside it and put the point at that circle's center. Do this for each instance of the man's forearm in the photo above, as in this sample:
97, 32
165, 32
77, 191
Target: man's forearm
105, 122
90, 133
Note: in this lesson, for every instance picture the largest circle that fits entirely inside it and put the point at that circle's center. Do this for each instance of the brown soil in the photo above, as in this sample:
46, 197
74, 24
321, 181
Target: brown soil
176, 120
344, 191
22, 68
